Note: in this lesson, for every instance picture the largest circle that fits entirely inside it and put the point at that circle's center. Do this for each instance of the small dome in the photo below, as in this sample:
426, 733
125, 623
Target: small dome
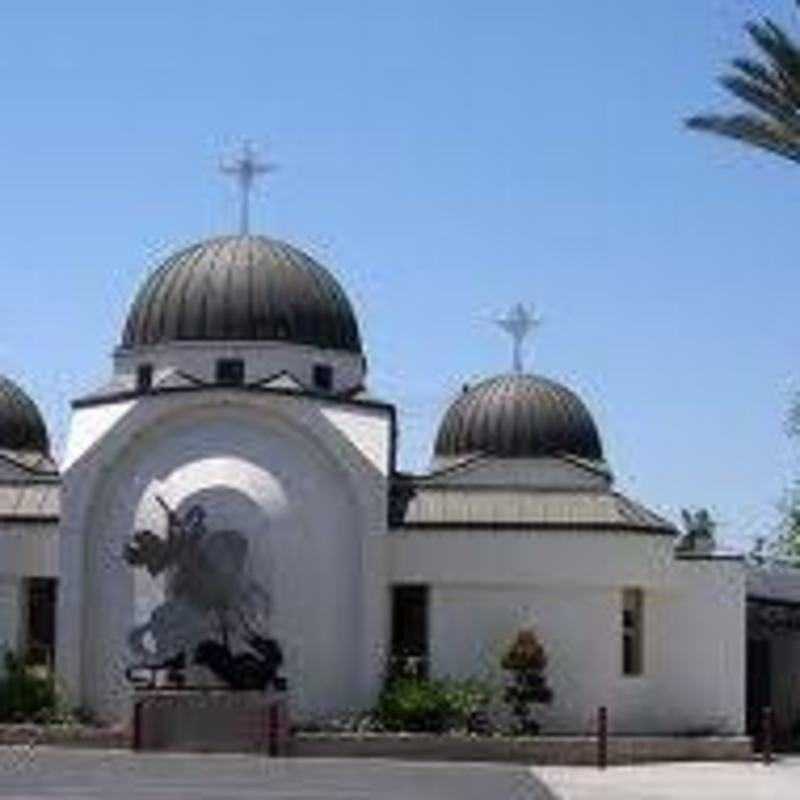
518, 416
21, 424
242, 288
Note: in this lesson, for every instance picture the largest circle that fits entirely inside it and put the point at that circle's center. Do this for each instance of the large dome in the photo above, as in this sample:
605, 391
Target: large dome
244, 288
21, 424
518, 416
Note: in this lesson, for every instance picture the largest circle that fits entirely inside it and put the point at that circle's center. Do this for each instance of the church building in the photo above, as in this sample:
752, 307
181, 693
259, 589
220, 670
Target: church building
239, 387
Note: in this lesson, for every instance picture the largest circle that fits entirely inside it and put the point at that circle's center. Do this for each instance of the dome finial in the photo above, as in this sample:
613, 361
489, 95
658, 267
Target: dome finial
519, 322
245, 167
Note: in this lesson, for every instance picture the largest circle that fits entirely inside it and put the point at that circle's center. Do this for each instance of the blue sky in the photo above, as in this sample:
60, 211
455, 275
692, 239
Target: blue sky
444, 159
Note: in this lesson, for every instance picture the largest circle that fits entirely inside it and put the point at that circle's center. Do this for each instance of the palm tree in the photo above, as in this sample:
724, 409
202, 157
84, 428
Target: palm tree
771, 87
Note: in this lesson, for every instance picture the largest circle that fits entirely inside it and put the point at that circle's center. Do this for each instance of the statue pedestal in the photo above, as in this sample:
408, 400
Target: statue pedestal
210, 720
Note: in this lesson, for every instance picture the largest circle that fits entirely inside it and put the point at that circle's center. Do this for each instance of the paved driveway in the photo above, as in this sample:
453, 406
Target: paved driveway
67, 774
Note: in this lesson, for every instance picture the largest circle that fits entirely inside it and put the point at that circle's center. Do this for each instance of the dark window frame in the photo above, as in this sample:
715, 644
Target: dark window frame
410, 629
322, 375
230, 371
144, 377
41, 609
632, 623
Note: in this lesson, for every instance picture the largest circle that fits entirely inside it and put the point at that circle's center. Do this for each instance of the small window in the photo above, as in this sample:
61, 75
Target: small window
41, 620
632, 632
144, 377
323, 377
410, 630
230, 371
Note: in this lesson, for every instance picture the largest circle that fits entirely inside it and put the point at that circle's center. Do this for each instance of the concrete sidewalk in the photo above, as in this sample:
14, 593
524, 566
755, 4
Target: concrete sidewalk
678, 781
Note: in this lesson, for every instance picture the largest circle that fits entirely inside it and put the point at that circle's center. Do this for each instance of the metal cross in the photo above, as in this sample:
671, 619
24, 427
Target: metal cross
245, 168
519, 322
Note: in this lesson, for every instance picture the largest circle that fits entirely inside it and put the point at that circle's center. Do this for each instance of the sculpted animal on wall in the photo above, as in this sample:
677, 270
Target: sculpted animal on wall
210, 604
699, 531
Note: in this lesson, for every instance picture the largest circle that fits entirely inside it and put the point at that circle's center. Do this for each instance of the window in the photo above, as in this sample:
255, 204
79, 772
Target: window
632, 632
410, 630
323, 377
41, 619
230, 371
144, 377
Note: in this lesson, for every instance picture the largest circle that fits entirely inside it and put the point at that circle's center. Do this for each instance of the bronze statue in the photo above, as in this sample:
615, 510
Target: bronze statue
207, 592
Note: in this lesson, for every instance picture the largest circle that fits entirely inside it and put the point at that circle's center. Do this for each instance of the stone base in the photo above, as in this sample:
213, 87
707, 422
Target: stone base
542, 750
215, 720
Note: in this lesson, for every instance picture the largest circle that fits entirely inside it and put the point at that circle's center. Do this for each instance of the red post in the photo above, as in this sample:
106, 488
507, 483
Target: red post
766, 735
602, 737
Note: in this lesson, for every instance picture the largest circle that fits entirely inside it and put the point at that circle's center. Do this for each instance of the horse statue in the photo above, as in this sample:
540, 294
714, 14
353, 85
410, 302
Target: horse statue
206, 590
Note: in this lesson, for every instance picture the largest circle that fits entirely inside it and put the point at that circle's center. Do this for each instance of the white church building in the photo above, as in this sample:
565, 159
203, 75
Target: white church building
240, 385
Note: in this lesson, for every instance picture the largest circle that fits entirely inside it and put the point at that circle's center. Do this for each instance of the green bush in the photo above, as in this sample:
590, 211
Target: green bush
434, 706
467, 698
24, 695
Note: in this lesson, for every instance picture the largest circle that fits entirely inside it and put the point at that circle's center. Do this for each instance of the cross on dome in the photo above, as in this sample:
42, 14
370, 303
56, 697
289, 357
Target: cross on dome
245, 168
519, 322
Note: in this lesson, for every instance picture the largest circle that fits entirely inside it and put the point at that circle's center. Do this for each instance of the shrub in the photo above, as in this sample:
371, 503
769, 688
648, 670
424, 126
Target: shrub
434, 706
24, 695
414, 704
469, 700
526, 660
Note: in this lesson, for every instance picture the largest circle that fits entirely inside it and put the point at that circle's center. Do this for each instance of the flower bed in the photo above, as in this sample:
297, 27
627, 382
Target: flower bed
76, 735
566, 750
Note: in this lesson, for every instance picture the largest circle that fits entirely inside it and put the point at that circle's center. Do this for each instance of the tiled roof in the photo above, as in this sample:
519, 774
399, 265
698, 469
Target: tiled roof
469, 507
31, 461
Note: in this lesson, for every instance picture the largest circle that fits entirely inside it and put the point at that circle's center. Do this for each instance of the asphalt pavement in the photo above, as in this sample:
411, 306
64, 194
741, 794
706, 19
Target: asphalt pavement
45, 773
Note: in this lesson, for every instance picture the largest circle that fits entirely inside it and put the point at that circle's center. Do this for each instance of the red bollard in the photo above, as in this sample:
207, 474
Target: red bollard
602, 737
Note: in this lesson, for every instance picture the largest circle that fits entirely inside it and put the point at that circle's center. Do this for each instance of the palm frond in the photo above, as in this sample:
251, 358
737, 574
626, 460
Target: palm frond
750, 129
782, 54
771, 87
768, 102
763, 76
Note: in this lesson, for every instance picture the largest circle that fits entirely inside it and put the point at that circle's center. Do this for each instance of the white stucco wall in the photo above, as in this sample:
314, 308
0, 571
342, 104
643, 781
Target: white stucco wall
27, 549
89, 426
703, 624
275, 468
262, 360
568, 586
369, 429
